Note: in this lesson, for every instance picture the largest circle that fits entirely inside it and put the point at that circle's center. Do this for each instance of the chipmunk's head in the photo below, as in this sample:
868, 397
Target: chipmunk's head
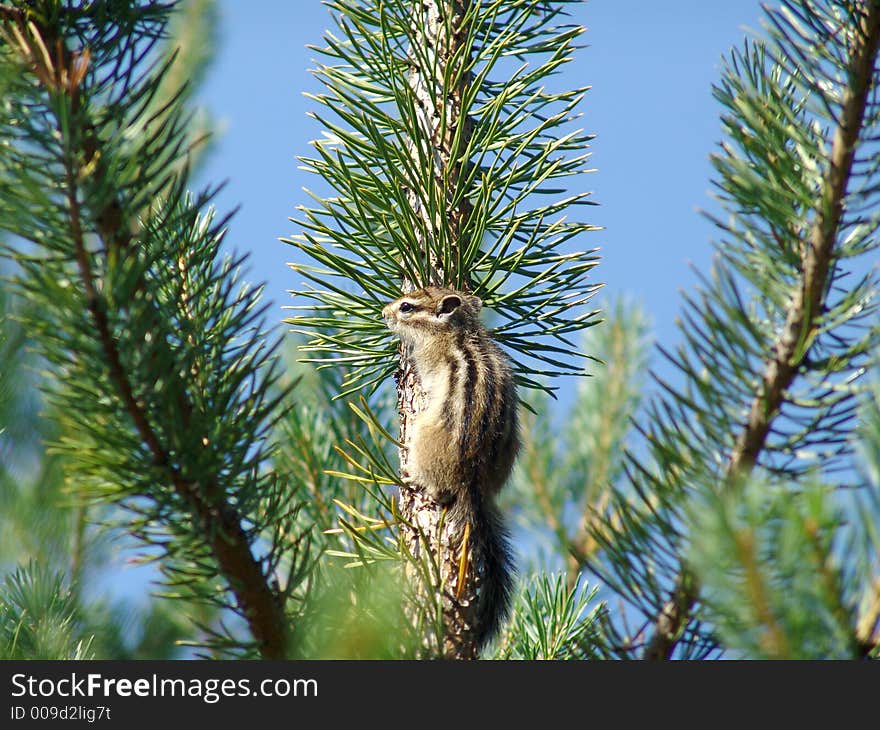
431, 312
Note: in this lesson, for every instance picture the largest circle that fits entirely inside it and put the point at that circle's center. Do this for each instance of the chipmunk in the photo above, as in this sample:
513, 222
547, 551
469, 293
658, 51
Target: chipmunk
464, 440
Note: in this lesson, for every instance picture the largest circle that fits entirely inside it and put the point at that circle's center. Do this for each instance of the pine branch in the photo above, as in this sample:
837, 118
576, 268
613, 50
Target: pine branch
600, 424
462, 197
791, 572
566, 483
442, 174
868, 628
793, 348
88, 174
220, 523
552, 622
40, 617
867, 623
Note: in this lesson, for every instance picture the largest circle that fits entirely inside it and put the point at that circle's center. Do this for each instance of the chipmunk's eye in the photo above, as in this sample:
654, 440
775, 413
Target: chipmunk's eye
407, 307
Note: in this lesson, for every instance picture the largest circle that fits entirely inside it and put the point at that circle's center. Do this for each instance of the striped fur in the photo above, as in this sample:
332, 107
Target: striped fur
464, 439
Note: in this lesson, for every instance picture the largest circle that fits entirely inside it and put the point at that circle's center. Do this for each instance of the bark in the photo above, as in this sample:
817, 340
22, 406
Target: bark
438, 36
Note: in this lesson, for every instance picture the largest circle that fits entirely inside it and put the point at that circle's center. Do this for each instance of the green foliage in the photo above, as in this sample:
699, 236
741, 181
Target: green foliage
314, 439
39, 617
370, 540
773, 343
358, 614
860, 548
572, 456
747, 497
193, 35
795, 576
478, 205
163, 380
29, 480
44, 517
771, 583
390, 216
552, 622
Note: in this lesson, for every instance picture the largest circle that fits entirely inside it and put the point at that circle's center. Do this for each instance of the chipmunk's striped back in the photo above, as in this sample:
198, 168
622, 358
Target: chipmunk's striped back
464, 439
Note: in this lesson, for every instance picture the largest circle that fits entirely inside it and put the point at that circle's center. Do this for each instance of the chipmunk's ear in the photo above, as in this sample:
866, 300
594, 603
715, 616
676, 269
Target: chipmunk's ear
448, 305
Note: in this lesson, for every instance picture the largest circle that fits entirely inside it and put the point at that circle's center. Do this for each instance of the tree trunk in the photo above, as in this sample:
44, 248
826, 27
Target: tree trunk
438, 36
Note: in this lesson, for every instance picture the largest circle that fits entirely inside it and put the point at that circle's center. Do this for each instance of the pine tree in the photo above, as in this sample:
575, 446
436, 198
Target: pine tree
444, 175
161, 380
729, 532
731, 509
47, 531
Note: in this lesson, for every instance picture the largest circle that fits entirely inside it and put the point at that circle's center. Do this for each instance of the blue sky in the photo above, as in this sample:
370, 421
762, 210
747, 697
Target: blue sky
651, 66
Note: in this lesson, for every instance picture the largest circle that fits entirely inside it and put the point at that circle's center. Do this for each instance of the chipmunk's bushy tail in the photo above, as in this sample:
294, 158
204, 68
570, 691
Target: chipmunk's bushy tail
491, 556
